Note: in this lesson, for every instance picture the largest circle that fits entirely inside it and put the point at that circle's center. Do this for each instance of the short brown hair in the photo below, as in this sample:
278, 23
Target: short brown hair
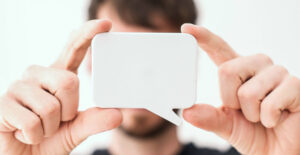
140, 12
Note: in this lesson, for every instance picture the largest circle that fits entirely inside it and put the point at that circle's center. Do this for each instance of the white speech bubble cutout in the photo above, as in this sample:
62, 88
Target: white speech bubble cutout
154, 71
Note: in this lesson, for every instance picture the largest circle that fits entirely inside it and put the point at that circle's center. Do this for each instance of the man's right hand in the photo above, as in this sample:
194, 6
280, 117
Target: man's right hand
39, 113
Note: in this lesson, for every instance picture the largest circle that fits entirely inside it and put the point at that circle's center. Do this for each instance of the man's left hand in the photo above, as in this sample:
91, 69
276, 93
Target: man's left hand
261, 101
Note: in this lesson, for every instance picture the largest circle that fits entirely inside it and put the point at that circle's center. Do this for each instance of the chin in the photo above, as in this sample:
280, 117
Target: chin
139, 119
142, 123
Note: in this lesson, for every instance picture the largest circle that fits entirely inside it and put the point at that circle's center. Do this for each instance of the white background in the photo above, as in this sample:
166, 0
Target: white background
35, 31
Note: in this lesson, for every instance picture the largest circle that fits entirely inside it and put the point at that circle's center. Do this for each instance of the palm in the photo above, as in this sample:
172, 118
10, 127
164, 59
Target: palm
254, 138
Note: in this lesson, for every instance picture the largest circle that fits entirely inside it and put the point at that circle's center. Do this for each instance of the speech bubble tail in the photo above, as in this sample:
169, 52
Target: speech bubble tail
167, 114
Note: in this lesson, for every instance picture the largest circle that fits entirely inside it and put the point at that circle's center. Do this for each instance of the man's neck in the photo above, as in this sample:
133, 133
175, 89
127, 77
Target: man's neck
165, 144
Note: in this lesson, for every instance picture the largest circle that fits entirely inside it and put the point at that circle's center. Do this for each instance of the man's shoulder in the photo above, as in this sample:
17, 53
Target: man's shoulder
188, 149
191, 149
101, 152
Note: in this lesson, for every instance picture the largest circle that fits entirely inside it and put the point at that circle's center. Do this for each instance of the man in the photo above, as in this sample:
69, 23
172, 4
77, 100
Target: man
260, 112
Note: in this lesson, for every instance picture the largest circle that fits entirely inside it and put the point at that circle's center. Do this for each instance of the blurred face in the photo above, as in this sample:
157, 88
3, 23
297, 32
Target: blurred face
137, 122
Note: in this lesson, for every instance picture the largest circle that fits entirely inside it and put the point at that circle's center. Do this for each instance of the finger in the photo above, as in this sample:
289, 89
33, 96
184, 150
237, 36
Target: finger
28, 126
216, 48
76, 49
220, 121
233, 74
5, 126
252, 92
64, 85
284, 98
227, 123
87, 123
46, 106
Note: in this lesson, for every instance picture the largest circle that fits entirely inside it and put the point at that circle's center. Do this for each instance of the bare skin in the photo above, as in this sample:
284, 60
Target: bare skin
39, 113
261, 101
164, 144
260, 112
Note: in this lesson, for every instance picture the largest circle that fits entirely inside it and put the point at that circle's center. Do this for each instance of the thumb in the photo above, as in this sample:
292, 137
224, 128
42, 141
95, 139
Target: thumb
230, 124
87, 123
217, 120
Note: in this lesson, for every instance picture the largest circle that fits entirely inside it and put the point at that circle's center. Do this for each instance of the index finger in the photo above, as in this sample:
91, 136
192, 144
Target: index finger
216, 48
74, 52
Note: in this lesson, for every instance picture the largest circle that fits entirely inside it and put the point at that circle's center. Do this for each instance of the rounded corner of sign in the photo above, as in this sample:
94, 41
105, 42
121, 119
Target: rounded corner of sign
189, 105
187, 35
94, 39
97, 37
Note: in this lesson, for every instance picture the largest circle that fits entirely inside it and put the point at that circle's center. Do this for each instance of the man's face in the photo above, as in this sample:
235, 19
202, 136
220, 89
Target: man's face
137, 122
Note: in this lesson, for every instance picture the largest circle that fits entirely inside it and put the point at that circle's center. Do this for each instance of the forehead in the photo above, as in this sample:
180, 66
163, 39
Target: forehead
106, 11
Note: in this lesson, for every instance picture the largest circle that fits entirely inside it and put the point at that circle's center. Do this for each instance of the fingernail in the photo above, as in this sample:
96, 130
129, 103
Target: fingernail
187, 24
99, 20
191, 24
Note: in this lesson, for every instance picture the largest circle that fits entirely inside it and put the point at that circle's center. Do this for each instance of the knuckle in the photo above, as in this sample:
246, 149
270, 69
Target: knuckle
70, 81
246, 94
4, 100
31, 124
281, 69
31, 70
264, 58
52, 108
17, 85
294, 81
226, 71
68, 117
269, 111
